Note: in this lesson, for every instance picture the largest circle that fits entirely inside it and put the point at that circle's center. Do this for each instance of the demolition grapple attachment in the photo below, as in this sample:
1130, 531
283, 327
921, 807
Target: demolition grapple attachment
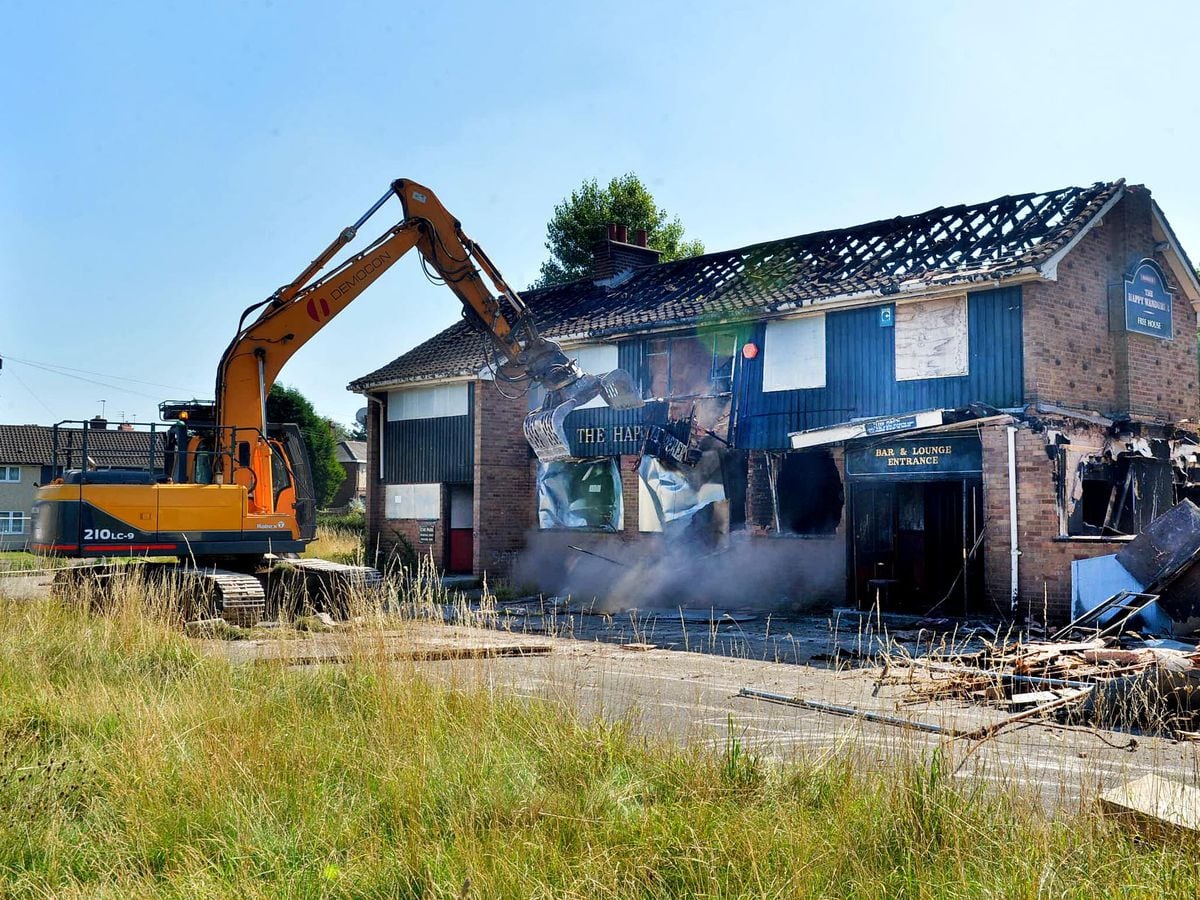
544, 427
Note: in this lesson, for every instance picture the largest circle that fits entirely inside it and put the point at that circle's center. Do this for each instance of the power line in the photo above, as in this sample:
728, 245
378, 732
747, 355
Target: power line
103, 384
61, 369
33, 394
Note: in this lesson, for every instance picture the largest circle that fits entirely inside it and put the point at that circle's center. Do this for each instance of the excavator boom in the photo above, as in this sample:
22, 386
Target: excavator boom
292, 315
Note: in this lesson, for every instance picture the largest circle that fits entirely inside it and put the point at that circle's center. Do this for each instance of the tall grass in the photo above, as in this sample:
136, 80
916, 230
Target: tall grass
337, 543
130, 764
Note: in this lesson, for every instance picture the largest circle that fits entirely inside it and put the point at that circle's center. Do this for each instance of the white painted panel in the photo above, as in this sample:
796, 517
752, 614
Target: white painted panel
794, 354
432, 402
931, 338
462, 512
413, 501
594, 359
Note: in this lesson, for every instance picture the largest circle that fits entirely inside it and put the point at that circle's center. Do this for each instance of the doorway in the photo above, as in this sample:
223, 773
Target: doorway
915, 545
460, 558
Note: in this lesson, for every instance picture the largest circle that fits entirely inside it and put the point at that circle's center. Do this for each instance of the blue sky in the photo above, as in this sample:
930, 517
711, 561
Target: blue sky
166, 165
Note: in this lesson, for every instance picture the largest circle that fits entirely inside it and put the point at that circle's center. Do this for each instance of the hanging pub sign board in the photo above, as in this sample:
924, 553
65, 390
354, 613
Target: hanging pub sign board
925, 456
1147, 303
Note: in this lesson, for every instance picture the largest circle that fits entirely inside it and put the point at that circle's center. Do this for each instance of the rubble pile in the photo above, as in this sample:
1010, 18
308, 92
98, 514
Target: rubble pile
1125, 682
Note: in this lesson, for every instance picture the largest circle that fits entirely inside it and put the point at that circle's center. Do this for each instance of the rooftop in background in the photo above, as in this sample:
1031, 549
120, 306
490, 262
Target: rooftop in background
964, 244
352, 451
33, 445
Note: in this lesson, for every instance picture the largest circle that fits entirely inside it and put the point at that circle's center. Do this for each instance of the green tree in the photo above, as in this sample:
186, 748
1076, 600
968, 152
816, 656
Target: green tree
285, 404
581, 219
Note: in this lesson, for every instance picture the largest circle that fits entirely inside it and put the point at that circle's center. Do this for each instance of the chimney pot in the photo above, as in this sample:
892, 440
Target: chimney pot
612, 231
623, 234
641, 237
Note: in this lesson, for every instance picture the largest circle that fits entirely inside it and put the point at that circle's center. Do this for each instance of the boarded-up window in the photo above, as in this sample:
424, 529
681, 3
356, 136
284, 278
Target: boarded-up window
595, 359
432, 402
794, 354
413, 501
931, 339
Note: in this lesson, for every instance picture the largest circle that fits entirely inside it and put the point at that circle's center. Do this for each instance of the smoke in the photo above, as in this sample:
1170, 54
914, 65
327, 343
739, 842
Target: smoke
684, 569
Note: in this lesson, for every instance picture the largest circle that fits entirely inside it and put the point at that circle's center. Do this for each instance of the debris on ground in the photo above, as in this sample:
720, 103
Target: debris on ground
1155, 806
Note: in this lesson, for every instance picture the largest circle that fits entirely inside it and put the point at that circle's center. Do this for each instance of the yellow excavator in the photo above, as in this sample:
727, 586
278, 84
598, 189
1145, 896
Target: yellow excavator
228, 493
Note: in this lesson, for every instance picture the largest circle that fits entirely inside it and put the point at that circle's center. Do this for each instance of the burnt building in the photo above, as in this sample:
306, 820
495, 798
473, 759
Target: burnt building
937, 411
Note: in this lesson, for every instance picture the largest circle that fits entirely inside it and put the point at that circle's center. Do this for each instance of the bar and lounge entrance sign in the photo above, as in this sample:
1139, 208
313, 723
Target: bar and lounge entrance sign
930, 454
1147, 303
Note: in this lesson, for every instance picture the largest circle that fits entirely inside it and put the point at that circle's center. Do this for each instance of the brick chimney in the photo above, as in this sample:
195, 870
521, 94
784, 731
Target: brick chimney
98, 423
613, 255
125, 426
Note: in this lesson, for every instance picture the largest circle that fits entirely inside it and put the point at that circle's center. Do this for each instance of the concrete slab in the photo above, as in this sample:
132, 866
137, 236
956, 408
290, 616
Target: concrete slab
1155, 804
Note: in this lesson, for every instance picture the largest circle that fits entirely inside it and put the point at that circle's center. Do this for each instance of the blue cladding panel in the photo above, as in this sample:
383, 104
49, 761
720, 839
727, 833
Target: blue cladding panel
428, 451
860, 374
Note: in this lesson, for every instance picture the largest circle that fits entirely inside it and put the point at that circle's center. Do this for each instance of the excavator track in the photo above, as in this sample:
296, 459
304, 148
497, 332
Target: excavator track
194, 592
238, 598
302, 585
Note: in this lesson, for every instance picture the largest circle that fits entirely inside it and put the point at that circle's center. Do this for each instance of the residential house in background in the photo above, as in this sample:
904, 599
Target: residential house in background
937, 411
353, 457
27, 457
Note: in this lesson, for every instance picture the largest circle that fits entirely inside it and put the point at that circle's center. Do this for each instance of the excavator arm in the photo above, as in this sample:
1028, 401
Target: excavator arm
287, 319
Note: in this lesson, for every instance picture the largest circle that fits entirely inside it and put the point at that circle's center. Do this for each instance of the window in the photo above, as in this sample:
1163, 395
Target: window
10, 473
582, 493
413, 501
810, 496
1105, 497
433, 402
13, 522
794, 354
667, 493
931, 339
691, 366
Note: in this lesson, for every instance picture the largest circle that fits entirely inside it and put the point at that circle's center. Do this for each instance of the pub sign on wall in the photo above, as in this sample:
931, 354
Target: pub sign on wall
1147, 303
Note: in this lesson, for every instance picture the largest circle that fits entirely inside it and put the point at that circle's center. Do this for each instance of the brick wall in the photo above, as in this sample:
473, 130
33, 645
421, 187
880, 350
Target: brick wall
1044, 578
504, 486
1073, 357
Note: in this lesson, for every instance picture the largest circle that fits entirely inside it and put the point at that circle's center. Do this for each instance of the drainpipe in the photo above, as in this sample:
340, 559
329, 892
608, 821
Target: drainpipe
1014, 551
372, 398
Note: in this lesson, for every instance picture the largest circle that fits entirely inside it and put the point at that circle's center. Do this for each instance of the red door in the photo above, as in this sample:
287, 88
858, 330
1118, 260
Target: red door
462, 542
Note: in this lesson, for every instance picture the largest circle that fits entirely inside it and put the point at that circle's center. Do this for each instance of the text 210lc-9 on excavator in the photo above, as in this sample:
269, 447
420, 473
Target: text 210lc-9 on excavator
226, 492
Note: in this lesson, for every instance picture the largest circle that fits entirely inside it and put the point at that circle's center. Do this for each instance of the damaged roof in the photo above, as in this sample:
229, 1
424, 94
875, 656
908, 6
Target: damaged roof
961, 244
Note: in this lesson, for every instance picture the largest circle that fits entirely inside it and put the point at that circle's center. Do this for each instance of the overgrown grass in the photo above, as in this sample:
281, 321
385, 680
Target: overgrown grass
131, 765
337, 544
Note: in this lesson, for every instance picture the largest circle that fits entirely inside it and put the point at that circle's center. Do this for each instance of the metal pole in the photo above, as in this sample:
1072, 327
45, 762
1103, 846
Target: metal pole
1013, 550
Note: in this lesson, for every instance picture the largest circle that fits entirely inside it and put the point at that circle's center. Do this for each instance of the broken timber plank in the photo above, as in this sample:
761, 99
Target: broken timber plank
1155, 805
427, 654
976, 734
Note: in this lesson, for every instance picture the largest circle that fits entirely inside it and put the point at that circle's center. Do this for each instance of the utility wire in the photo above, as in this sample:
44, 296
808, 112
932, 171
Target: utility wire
55, 367
33, 394
103, 384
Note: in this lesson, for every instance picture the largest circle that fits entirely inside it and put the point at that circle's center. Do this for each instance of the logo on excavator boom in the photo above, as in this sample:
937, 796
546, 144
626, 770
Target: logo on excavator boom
318, 307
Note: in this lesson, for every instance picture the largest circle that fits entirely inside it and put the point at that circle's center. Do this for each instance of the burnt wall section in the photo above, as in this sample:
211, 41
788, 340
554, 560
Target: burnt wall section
861, 373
